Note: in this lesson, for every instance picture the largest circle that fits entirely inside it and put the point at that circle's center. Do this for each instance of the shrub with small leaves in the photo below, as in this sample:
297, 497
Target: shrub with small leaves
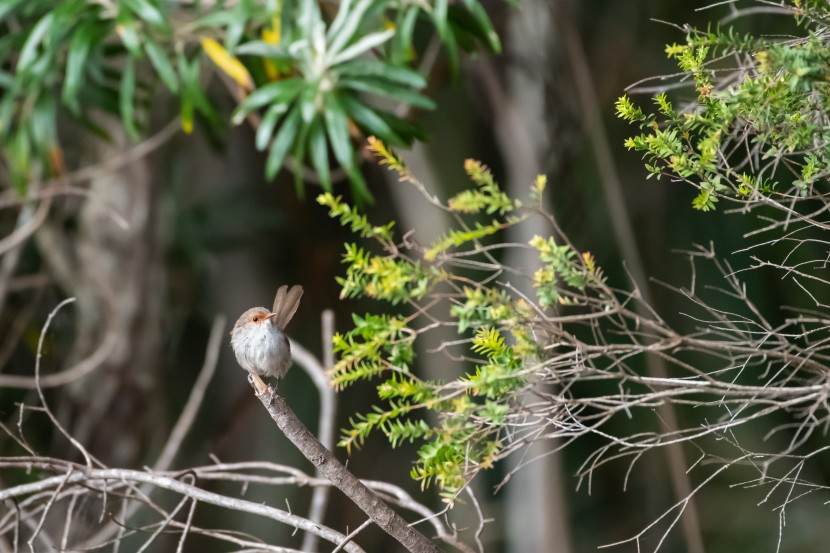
765, 117
499, 331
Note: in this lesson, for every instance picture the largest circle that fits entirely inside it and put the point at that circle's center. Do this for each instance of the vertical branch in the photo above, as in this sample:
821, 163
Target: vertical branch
197, 394
325, 428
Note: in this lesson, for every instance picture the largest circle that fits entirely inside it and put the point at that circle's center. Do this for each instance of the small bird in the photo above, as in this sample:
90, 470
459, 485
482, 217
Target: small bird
258, 340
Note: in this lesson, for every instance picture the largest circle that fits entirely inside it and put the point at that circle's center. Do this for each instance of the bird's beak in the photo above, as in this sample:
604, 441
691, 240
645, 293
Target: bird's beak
270, 317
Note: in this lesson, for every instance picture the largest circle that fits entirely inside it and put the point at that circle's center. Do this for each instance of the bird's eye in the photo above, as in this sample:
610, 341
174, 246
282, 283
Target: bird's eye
255, 319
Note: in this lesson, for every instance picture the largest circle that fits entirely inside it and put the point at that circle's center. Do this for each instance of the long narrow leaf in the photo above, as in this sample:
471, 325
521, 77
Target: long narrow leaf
282, 143
43, 123
371, 121
389, 90
280, 92
480, 14
374, 68
339, 40
79, 47
362, 46
264, 49
307, 102
147, 12
439, 17
337, 126
267, 125
318, 150
339, 19
299, 159
126, 96
158, 57
401, 50
229, 65
29, 50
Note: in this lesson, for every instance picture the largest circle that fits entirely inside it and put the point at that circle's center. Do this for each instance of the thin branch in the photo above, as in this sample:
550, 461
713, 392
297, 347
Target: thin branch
322, 459
92, 477
197, 394
328, 410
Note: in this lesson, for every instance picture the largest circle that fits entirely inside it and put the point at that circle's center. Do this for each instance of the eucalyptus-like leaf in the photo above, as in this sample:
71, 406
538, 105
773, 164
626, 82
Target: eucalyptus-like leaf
79, 47
439, 16
264, 49
147, 12
44, 132
338, 38
371, 121
217, 18
401, 50
282, 143
28, 52
390, 90
280, 92
158, 57
362, 46
387, 71
318, 150
126, 97
489, 33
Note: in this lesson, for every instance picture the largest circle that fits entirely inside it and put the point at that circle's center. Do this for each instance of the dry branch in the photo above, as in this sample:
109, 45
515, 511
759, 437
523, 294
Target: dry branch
323, 460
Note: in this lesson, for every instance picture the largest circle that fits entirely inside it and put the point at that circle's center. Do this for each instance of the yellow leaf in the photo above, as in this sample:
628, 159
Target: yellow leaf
272, 35
231, 66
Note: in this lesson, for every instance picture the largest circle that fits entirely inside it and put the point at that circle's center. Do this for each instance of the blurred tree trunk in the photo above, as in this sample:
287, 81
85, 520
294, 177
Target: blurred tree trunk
537, 517
116, 273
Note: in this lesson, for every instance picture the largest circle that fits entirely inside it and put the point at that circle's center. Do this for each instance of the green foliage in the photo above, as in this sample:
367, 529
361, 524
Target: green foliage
309, 76
768, 113
563, 265
488, 197
498, 330
382, 277
71, 59
335, 84
357, 221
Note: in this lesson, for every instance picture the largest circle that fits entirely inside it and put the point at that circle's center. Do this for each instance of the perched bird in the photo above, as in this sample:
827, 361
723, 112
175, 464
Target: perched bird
258, 339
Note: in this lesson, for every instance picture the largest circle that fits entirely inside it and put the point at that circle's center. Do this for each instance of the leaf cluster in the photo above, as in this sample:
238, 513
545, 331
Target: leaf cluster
499, 332
74, 58
767, 114
311, 78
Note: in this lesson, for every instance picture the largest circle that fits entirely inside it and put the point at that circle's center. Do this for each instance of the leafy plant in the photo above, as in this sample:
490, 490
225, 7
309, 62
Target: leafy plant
311, 81
498, 330
756, 134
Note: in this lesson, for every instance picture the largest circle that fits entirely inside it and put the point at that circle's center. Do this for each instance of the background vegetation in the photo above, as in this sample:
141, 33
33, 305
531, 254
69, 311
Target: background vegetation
160, 162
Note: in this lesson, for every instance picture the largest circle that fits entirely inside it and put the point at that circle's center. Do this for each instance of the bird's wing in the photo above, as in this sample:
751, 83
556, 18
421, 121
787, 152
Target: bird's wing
285, 304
